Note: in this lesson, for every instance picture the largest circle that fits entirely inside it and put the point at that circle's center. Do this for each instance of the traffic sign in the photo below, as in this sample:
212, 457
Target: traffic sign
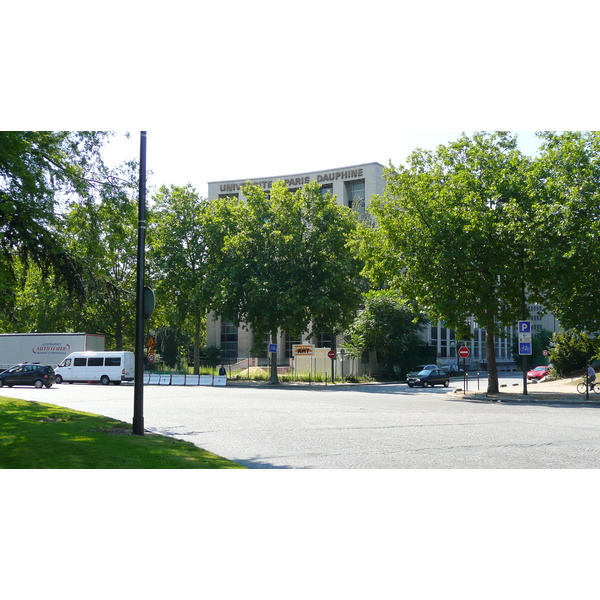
545, 352
524, 326
525, 348
151, 357
331, 354
464, 352
272, 348
524, 337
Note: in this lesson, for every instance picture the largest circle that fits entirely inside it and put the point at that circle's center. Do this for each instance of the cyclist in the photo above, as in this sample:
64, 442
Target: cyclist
591, 376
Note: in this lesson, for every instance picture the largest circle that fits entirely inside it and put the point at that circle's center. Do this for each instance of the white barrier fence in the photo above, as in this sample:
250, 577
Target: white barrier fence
156, 379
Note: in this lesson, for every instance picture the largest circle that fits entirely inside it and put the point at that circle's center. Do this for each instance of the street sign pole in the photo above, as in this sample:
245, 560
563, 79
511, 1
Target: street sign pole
332, 355
464, 352
525, 348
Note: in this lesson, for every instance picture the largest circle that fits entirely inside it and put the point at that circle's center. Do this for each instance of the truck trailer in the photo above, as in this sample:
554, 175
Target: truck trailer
45, 348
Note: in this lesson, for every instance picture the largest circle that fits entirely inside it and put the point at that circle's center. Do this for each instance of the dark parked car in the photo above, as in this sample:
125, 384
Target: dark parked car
429, 377
28, 374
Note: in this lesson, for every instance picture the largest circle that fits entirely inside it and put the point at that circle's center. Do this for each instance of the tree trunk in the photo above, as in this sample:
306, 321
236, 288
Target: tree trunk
197, 348
493, 387
274, 377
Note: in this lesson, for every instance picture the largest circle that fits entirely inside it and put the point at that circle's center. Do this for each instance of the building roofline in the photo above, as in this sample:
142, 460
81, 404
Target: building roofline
277, 177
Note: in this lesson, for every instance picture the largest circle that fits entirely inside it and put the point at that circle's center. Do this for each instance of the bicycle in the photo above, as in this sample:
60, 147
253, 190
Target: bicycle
583, 386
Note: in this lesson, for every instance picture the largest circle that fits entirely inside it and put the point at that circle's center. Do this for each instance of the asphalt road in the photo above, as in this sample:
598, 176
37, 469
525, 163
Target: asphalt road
349, 427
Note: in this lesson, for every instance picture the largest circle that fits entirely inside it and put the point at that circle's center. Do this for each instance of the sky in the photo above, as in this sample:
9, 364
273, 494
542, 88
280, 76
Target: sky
241, 90
176, 158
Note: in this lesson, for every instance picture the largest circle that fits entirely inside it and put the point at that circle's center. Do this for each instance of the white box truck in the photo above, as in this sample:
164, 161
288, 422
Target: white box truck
91, 367
44, 348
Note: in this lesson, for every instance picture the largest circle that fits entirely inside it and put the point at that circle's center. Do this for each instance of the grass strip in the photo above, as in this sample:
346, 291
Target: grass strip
44, 436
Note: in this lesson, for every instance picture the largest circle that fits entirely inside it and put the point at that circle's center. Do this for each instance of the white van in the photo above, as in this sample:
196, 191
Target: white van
105, 367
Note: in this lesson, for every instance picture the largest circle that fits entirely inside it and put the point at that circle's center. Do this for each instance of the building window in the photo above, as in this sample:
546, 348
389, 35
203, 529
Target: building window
229, 340
325, 340
327, 188
236, 196
355, 194
289, 342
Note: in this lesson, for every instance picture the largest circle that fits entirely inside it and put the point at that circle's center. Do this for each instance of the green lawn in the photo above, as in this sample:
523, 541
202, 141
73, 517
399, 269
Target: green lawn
43, 436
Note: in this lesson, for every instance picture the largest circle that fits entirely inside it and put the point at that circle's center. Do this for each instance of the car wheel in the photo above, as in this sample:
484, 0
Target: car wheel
58, 379
446, 383
1, 382
48, 385
410, 385
424, 384
39, 384
104, 380
116, 383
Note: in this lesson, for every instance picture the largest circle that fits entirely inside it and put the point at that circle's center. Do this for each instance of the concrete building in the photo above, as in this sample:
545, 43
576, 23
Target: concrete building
347, 184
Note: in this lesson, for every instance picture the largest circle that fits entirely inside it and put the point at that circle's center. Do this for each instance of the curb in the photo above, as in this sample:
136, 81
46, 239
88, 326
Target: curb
542, 398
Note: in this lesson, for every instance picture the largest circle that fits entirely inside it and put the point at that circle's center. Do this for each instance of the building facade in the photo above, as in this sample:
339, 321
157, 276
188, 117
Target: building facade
347, 184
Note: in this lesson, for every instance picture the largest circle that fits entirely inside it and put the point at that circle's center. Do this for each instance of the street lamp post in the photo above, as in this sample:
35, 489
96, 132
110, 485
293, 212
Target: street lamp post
138, 394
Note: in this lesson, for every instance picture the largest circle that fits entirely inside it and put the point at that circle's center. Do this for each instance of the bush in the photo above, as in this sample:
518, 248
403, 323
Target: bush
571, 351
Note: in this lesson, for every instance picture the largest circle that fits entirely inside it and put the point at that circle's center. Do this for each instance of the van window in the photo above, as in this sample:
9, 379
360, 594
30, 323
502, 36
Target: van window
112, 361
79, 362
95, 362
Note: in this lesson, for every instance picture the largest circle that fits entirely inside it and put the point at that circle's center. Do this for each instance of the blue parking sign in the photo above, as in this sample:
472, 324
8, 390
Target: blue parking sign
524, 326
525, 348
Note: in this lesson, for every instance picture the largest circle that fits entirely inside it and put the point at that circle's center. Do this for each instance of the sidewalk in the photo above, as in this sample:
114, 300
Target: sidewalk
560, 391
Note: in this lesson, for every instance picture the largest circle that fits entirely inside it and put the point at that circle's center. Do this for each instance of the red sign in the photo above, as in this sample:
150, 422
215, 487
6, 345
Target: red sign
331, 354
463, 352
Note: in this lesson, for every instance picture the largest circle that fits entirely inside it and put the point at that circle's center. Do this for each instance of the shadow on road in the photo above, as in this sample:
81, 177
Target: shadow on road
255, 463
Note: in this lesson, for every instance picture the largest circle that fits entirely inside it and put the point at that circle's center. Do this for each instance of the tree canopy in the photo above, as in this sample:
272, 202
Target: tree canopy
283, 261
445, 234
37, 170
566, 236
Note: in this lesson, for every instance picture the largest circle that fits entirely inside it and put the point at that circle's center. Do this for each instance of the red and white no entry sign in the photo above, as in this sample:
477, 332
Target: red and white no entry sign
463, 352
331, 354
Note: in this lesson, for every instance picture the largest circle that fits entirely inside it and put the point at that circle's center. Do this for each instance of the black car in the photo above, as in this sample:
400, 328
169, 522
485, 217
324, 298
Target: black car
28, 374
429, 377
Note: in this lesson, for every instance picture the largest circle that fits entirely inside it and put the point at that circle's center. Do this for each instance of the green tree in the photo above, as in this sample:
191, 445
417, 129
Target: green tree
448, 238
179, 260
101, 231
571, 350
387, 325
284, 263
566, 236
167, 345
38, 170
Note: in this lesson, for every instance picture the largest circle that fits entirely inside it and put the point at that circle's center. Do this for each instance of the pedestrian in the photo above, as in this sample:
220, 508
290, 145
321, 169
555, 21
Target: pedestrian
591, 375
222, 370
